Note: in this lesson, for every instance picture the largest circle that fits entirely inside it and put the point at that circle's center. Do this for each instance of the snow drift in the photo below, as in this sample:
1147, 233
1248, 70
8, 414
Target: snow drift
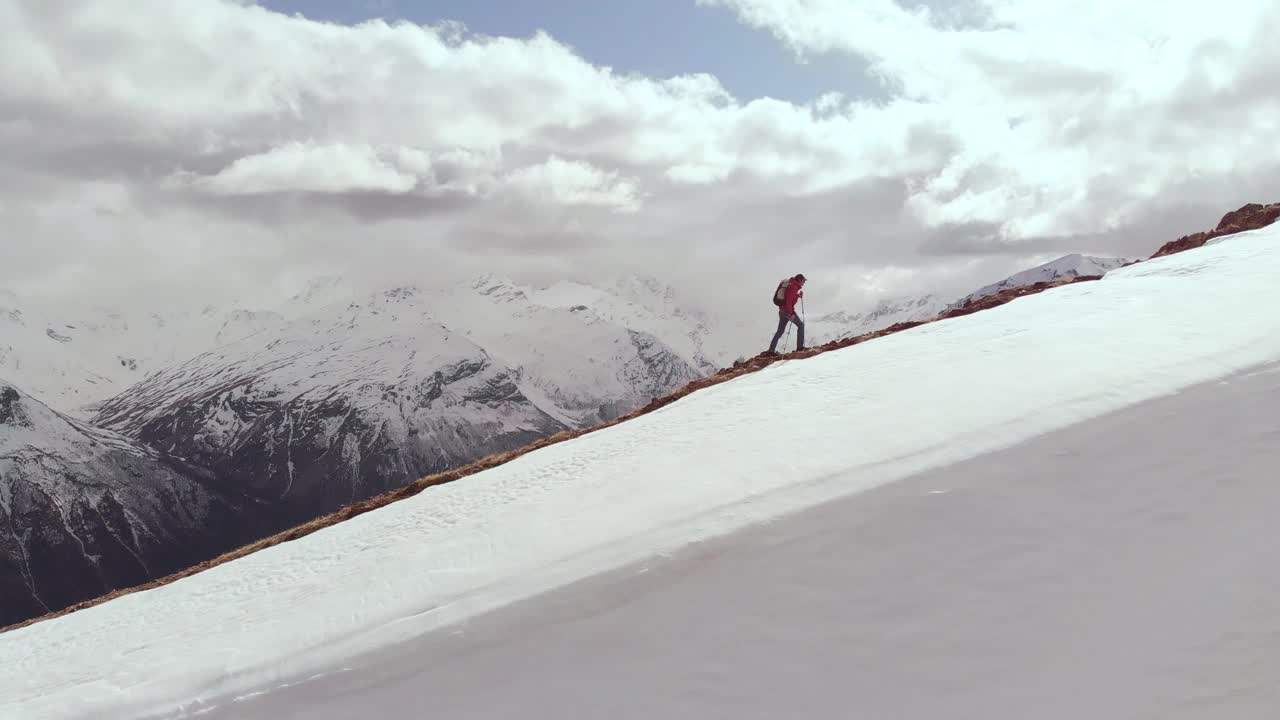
788, 437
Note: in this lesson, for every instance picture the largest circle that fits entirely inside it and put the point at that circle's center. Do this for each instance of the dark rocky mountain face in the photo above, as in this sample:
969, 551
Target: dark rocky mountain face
312, 418
84, 512
357, 401
310, 453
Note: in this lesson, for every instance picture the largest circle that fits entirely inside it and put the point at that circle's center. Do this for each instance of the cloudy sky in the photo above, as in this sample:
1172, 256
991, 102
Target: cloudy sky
204, 149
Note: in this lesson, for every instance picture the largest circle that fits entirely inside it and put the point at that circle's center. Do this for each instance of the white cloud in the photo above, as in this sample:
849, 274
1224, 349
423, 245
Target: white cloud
233, 135
334, 168
1046, 97
573, 182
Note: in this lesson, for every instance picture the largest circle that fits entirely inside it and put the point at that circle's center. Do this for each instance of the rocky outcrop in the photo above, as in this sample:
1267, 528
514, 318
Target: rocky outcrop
84, 512
1249, 217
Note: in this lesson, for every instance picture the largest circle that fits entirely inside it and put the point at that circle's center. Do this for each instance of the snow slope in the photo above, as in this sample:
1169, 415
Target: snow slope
1131, 574
718, 461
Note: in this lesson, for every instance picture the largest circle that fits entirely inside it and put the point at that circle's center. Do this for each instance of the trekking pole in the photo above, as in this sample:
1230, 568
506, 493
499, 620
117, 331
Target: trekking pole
802, 317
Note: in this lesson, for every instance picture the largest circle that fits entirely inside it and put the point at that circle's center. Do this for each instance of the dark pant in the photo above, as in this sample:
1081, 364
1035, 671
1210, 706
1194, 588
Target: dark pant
783, 319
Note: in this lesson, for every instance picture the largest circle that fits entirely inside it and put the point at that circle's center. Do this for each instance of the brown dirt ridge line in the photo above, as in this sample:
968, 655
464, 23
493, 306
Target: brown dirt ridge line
1249, 217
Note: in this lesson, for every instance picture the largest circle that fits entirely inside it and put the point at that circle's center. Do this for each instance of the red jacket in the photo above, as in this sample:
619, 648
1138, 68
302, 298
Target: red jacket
793, 295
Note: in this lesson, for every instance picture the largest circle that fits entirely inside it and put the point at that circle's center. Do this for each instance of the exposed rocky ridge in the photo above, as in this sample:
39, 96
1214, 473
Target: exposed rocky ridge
1249, 217
84, 511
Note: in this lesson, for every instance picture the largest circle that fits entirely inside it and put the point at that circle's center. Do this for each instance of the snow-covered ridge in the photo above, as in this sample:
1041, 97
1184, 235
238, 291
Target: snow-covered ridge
891, 311
75, 359
1074, 265
734, 454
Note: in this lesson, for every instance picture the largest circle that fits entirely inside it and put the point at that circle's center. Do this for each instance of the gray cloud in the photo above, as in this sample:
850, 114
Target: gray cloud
238, 150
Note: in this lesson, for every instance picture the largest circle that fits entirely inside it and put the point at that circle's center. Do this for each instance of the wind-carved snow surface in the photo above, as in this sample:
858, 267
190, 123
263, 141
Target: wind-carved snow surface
792, 436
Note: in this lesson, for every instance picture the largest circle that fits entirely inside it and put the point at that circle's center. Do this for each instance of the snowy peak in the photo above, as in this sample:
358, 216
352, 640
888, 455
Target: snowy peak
350, 401
333, 408
644, 304
323, 291
887, 312
1074, 265
499, 289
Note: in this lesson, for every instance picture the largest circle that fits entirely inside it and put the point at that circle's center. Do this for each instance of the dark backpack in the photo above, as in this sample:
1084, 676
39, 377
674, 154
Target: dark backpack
780, 295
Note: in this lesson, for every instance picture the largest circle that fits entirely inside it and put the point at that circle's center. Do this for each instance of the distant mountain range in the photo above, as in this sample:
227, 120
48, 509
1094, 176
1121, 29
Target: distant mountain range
178, 435
360, 398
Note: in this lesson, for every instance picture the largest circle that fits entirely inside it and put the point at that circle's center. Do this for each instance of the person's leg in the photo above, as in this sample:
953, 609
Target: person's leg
799, 331
782, 325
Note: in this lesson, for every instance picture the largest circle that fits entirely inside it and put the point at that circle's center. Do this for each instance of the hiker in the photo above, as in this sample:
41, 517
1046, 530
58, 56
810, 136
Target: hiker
789, 292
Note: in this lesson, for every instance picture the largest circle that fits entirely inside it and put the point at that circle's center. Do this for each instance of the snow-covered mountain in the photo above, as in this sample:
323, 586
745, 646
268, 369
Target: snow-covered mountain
74, 359
1074, 265
358, 399
579, 364
645, 304
890, 311
840, 325
85, 511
